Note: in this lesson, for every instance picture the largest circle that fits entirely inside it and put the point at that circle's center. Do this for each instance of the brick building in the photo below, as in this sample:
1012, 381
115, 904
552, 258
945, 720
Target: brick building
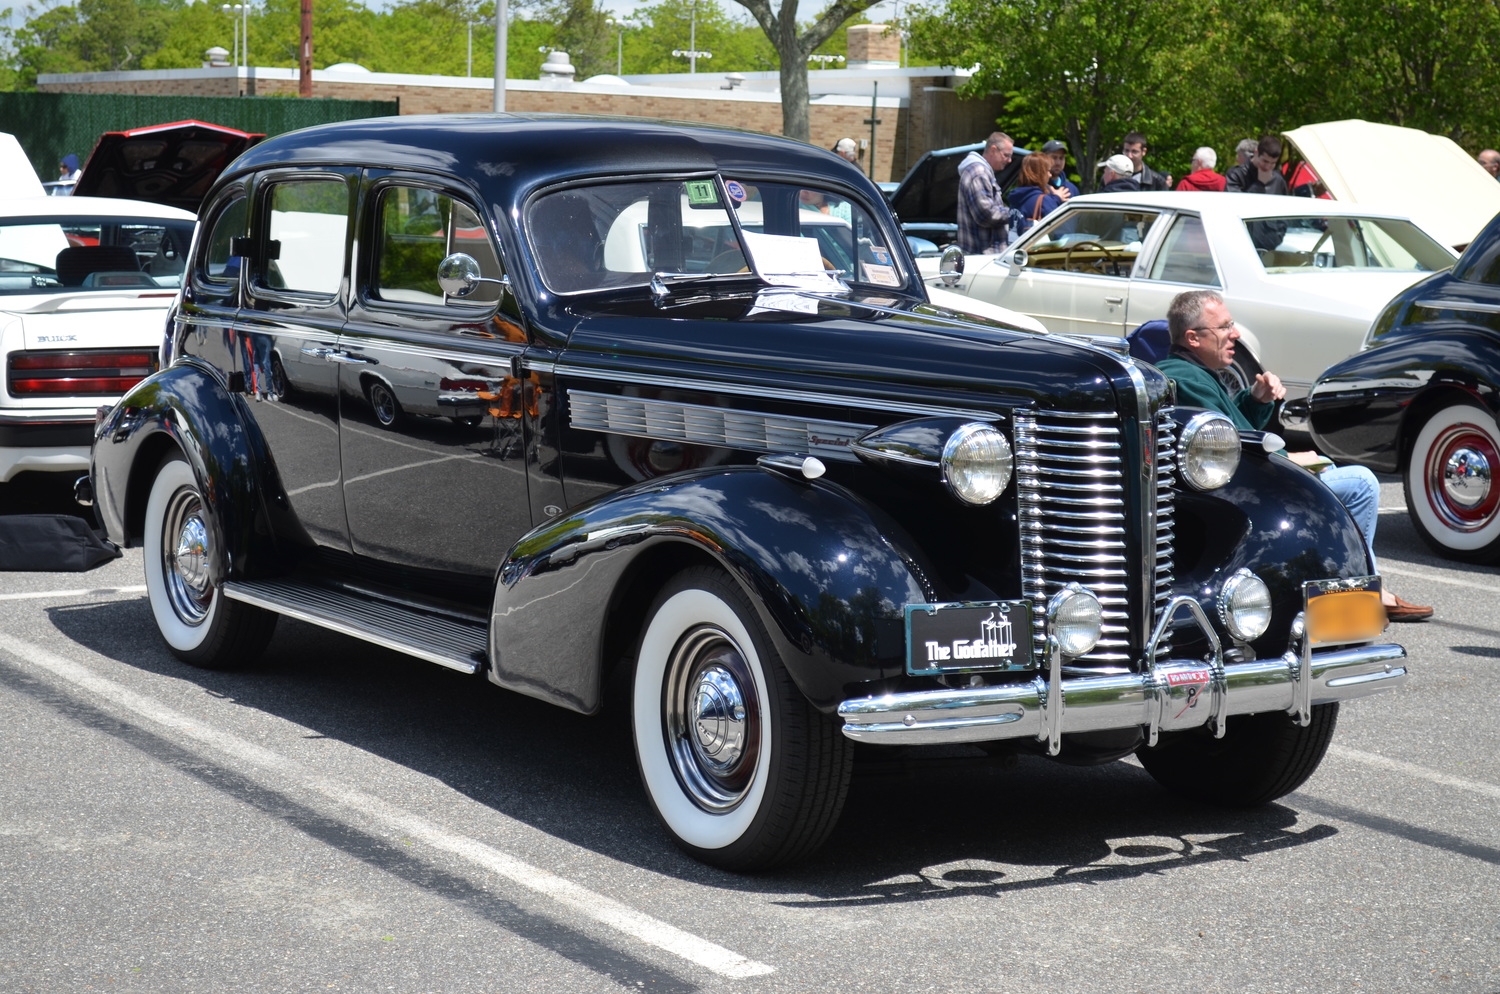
916, 109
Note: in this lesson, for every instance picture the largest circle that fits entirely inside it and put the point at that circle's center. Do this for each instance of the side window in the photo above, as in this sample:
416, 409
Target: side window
1185, 256
307, 221
417, 229
227, 225
1100, 242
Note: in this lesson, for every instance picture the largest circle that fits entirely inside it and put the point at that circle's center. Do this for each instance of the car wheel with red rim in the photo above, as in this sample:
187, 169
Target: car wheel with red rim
1451, 492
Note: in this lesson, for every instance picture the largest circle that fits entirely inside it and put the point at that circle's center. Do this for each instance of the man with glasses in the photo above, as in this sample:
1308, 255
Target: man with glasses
983, 217
1203, 337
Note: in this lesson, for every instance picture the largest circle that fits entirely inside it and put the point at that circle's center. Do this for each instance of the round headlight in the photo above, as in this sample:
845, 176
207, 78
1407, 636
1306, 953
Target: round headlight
1245, 605
1209, 451
977, 463
1076, 619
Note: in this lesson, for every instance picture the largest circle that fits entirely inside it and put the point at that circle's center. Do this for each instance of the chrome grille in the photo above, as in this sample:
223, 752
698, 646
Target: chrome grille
1073, 499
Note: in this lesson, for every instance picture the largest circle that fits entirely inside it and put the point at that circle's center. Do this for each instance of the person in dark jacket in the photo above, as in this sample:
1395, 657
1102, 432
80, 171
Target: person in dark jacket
1203, 342
1260, 174
1119, 176
1060, 185
1031, 195
1134, 146
1203, 176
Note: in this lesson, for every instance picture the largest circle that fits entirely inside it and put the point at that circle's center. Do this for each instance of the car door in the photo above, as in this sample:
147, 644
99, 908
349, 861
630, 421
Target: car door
432, 414
1073, 273
1183, 261
288, 334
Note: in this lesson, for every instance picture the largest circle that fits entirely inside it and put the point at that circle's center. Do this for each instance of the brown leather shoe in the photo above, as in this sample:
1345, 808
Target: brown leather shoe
1407, 611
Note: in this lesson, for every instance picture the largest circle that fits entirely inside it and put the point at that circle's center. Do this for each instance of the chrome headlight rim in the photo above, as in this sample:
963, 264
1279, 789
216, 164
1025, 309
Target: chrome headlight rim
958, 481
1191, 434
1071, 601
1245, 592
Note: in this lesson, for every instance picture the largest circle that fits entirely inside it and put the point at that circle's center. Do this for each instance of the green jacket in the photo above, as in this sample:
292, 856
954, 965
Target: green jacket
1197, 386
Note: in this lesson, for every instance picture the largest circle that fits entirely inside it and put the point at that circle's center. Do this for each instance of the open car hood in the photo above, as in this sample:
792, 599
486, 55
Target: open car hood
17, 176
1355, 160
172, 164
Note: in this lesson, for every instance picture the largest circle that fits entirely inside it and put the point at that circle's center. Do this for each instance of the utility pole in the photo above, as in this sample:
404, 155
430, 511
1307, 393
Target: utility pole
872, 121
500, 43
304, 62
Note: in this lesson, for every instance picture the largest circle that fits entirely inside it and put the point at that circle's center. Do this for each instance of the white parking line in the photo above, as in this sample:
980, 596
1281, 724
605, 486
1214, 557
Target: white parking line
604, 910
1412, 770
95, 592
1488, 588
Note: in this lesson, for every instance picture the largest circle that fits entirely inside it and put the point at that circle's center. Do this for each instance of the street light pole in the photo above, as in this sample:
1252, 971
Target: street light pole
470, 70
500, 43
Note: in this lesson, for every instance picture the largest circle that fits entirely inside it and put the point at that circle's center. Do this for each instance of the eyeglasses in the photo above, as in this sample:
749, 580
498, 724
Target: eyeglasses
1223, 329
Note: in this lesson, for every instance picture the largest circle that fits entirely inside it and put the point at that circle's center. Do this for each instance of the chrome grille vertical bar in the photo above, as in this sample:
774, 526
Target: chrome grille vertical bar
1166, 515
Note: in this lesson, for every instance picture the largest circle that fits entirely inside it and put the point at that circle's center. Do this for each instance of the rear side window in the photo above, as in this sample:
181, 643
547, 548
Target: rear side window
418, 228
1185, 256
307, 224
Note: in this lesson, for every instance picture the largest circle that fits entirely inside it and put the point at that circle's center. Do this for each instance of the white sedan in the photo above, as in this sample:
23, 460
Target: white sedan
1303, 277
85, 283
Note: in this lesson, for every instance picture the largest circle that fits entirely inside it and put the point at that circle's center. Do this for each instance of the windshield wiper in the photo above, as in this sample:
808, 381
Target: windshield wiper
662, 283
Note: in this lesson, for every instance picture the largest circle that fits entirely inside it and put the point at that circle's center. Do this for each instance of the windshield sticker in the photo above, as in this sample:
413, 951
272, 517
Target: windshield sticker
880, 255
701, 193
736, 190
879, 275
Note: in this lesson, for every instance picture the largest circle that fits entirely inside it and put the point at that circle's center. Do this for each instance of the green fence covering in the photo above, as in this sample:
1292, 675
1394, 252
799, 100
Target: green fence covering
50, 125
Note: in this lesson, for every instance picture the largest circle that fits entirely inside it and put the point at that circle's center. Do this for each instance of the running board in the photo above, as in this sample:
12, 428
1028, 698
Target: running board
442, 639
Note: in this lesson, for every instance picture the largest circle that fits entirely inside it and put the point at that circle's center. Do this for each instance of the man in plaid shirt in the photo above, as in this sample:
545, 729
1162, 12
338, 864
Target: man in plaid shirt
983, 218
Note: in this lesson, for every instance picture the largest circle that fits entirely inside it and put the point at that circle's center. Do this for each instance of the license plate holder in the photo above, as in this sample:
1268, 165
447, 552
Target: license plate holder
969, 637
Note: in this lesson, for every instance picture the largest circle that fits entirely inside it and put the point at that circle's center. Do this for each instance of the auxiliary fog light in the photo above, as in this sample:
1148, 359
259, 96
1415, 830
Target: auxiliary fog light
977, 463
1075, 619
1208, 452
1245, 605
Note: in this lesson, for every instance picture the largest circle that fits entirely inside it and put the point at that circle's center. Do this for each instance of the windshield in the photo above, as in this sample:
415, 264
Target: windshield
620, 234
73, 254
1288, 244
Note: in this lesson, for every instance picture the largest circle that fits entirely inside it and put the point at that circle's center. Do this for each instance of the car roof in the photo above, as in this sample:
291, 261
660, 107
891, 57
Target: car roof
1243, 205
518, 152
87, 207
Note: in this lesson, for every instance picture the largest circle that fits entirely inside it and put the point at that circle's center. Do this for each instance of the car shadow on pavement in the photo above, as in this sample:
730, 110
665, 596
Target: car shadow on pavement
912, 829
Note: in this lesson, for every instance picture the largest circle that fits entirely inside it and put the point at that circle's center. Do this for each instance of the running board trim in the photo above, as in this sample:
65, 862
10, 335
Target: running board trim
435, 638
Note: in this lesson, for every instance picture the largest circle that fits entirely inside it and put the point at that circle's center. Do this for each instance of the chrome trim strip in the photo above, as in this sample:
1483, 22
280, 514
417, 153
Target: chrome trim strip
1120, 700
1453, 305
743, 390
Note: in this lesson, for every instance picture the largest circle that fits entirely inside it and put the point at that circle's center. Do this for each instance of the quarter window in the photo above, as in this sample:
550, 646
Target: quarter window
1097, 242
227, 226
308, 222
418, 228
1185, 256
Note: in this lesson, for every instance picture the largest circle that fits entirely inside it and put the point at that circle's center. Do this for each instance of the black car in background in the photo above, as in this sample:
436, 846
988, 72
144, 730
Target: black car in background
569, 403
1421, 400
926, 201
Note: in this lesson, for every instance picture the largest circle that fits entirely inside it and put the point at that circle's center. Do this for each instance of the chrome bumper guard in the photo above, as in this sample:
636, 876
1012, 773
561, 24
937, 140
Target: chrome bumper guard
1171, 695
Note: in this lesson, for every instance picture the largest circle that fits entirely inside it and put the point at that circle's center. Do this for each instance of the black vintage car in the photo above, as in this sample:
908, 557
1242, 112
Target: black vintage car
1421, 400
580, 403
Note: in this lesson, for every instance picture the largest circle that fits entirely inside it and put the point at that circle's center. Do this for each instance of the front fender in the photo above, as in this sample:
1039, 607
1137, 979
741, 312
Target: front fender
828, 574
1275, 519
184, 408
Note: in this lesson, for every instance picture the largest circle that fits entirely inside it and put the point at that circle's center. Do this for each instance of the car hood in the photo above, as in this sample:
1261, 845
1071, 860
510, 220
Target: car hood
1340, 153
17, 177
172, 164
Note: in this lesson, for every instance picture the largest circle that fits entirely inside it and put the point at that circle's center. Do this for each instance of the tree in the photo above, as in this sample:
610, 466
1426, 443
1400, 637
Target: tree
793, 48
1088, 70
656, 30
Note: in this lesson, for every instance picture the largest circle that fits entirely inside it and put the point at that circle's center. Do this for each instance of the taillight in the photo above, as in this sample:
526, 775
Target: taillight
99, 371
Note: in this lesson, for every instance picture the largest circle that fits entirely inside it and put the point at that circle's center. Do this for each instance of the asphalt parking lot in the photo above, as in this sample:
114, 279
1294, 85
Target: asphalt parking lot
344, 818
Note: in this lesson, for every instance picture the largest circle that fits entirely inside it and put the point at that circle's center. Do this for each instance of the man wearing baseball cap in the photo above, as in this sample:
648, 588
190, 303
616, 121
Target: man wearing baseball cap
847, 148
1119, 175
1060, 185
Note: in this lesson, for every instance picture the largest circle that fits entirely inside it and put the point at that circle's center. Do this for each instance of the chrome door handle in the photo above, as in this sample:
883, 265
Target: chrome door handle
317, 351
338, 355
1114, 300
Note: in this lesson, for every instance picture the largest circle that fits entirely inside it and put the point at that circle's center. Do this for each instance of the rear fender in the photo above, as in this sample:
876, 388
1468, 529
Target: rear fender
187, 410
828, 574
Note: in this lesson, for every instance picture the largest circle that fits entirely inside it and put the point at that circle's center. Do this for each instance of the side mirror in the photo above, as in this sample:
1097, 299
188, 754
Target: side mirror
458, 275
1019, 258
951, 265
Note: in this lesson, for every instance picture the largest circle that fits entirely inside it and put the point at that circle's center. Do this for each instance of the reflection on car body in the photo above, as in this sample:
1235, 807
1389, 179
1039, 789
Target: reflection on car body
518, 415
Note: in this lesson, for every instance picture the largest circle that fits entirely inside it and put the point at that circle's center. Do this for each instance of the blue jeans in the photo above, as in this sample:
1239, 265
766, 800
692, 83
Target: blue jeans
1359, 492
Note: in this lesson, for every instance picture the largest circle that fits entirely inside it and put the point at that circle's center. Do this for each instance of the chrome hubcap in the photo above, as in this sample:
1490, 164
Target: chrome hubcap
1466, 477
186, 552
712, 719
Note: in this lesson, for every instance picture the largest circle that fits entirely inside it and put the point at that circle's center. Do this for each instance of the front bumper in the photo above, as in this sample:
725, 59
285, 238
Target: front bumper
1169, 695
